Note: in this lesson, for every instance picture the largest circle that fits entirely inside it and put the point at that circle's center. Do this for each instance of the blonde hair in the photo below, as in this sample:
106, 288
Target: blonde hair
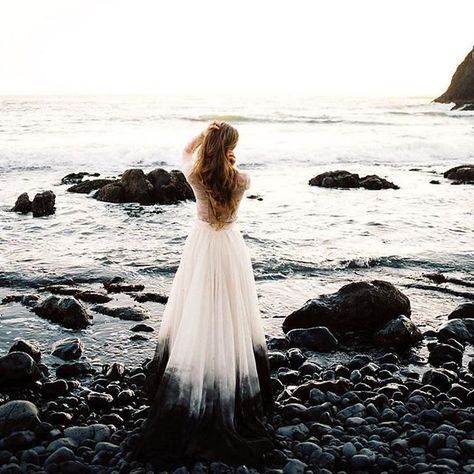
217, 174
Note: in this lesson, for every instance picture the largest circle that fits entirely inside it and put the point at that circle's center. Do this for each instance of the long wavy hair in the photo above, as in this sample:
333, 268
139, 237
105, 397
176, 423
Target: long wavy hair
217, 174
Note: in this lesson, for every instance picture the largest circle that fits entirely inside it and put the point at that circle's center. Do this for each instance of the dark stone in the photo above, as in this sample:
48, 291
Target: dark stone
459, 329
463, 174
316, 338
17, 415
66, 311
68, 349
18, 368
74, 369
20, 440
28, 347
54, 389
43, 204
346, 179
85, 187
442, 353
363, 306
116, 371
22, 204
74, 178
461, 89
149, 297
465, 310
401, 332
118, 285
141, 327
99, 400
127, 313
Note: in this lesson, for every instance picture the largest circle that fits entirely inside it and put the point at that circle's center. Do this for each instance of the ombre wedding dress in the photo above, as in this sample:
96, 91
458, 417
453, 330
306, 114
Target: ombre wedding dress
209, 380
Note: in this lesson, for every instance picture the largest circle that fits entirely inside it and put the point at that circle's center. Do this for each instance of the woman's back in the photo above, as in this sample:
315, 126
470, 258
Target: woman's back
202, 199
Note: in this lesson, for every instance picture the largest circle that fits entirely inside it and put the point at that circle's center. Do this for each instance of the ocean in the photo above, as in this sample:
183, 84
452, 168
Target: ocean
304, 240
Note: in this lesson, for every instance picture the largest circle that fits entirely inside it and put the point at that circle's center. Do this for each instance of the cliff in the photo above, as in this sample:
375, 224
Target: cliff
461, 89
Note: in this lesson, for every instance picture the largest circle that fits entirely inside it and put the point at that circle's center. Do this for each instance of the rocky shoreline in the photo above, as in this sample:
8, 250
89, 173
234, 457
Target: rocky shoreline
369, 414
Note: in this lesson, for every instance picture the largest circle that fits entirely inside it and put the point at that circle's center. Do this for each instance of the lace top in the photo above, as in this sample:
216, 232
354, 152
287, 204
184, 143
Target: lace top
202, 200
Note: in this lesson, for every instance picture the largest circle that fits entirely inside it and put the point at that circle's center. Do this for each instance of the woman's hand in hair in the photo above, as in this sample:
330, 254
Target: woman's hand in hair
214, 125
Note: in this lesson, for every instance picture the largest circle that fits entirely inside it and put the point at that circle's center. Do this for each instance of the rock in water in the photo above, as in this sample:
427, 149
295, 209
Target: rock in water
459, 329
66, 311
18, 368
358, 306
28, 347
17, 415
465, 310
157, 187
400, 332
22, 204
461, 89
68, 349
74, 178
43, 204
127, 313
463, 174
346, 179
85, 187
317, 338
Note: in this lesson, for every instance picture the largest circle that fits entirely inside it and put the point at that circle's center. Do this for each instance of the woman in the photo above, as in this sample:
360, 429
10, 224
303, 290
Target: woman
209, 380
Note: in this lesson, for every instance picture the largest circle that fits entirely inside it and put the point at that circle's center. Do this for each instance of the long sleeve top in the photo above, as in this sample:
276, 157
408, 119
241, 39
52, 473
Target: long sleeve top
202, 201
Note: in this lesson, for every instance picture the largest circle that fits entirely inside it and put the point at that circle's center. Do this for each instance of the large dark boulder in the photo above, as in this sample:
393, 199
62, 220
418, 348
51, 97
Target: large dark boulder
346, 179
459, 329
18, 368
157, 187
65, 310
43, 204
68, 349
85, 187
22, 204
360, 306
17, 415
461, 89
461, 174
28, 347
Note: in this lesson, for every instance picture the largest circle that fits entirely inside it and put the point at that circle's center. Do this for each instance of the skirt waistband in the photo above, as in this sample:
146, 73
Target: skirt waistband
227, 225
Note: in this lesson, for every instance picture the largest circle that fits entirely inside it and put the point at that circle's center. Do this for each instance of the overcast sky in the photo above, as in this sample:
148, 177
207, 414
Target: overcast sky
337, 47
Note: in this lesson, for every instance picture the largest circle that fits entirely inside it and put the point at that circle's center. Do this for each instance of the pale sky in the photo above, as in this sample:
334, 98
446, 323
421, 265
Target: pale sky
337, 47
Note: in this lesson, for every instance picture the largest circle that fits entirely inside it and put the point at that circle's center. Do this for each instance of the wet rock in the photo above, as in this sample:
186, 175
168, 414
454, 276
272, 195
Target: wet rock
345, 179
128, 313
17, 415
20, 440
157, 187
138, 337
149, 297
294, 466
118, 285
142, 328
25, 300
441, 353
22, 204
59, 456
465, 310
359, 306
74, 369
116, 371
43, 204
18, 368
88, 296
66, 311
68, 349
401, 332
28, 347
96, 433
459, 329
54, 389
85, 187
74, 178
316, 338
99, 400
463, 174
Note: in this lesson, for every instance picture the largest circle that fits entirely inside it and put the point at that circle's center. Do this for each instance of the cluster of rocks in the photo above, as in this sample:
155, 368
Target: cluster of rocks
72, 307
375, 311
43, 204
461, 89
346, 179
368, 415
156, 187
463, 174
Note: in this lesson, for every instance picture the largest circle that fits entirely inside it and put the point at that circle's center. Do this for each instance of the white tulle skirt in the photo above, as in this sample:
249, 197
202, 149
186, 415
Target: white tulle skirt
209, 381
